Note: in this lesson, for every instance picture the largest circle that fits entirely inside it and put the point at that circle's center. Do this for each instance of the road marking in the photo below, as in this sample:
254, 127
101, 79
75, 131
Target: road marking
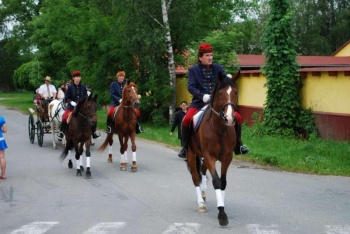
337, 229
105, 228
260, 229
35, 228
183, 228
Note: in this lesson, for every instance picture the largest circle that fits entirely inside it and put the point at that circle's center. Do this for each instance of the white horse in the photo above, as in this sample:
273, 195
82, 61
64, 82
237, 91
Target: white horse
56, 110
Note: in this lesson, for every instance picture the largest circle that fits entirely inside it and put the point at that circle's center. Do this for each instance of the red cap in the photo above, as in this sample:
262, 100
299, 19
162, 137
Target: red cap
205, 48
76, 73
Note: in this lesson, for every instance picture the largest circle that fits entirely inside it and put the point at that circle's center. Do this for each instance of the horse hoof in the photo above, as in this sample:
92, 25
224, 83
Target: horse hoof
133, 169
70, 164
109, 160
81, 168
202, 208
223, 221
78, 173
92, 143
88, 173
55, 147
123, 166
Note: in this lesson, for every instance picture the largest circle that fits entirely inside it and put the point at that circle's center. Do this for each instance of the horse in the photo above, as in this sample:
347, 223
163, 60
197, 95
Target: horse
56, 110
214, 140
79, 132
124, 125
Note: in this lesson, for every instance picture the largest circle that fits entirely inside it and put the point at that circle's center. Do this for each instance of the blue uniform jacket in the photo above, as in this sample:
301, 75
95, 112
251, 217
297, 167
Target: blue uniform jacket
74, 93
199, 84
116, 91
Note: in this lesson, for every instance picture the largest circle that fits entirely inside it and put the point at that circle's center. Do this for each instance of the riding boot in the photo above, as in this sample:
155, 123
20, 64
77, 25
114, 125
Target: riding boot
108, 129
184, 139
63, 127
95, 134
240, 148
139, 129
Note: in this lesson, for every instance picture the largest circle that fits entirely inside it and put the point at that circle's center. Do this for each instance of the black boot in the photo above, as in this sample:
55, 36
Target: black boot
108, 129
60, 135
184, 139
95, 134
240, 148
138, 126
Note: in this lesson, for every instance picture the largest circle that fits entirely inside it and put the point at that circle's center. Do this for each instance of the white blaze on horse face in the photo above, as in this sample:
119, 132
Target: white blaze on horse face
133, 89
229, 111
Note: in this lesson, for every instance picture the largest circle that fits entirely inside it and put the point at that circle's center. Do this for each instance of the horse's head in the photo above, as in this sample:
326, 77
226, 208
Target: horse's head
225, 97
87, 108
130, 95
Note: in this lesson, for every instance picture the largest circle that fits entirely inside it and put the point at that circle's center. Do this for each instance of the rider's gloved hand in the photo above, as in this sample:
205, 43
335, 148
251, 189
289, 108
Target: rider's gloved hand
206, 98
73, 103
120, 101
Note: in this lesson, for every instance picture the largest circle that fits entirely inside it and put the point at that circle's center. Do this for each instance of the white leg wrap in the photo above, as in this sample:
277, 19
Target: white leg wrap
81, 161
122, 158
204, 183
223, 195
199, 195
134, 156
69, 155
219, 199
78, 164
125, 156
110, 150
88, 161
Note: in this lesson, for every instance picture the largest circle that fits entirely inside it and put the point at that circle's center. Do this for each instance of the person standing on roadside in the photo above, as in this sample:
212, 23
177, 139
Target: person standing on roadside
3, 146
179, 115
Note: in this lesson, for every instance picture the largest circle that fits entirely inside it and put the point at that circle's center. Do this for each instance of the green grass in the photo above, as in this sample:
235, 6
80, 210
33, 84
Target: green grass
322, 157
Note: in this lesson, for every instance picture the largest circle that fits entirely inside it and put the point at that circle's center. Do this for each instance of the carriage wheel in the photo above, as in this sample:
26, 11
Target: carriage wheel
31, 128
40, 133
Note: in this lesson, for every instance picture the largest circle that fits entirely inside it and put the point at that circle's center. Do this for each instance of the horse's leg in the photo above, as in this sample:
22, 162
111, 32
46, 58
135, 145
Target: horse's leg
53, 126
77, 157
204, 181
110, 149
81, 151
192, 164
223, 221
70, 163
87, 154
123, 158
92, 141
133, 149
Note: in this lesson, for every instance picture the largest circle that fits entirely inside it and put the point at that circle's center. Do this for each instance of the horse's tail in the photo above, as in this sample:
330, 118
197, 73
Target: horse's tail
64, 153
105, 143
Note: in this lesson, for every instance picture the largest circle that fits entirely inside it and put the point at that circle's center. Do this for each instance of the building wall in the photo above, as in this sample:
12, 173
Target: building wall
324, 93
327, 96
181, 91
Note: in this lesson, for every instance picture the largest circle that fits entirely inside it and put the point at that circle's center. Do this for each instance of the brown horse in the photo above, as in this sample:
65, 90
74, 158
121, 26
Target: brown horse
79, 131
214, 140
124, 124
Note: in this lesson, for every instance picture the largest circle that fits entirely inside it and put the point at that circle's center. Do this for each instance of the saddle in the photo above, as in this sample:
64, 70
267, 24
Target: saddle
197, 118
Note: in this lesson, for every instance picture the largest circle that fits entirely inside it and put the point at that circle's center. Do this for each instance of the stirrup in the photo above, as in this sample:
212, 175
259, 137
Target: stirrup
108, 130
96, 135
60, 136
182, 153
244, 149
139, 129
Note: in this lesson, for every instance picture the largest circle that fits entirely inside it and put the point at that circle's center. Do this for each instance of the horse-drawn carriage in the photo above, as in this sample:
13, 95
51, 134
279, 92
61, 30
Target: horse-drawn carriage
48, 118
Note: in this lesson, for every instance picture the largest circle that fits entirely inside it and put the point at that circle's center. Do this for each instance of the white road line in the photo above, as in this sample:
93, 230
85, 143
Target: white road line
260, 229
105, 228
183, 228
337, 229
35, 228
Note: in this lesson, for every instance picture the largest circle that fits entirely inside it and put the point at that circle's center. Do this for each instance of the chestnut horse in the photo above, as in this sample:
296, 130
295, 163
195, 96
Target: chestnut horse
79, 131
124, 124
214, 140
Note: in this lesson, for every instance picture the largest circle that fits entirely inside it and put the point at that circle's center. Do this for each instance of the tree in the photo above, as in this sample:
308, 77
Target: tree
283, 113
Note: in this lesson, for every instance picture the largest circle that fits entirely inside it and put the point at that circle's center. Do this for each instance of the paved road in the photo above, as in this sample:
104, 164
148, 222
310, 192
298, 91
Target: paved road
41, 195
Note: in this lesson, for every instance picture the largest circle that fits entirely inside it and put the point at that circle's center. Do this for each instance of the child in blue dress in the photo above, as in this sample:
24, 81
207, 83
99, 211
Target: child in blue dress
3, 146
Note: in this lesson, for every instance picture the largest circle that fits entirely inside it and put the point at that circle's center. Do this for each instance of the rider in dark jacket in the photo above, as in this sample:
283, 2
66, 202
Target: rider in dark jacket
75, 91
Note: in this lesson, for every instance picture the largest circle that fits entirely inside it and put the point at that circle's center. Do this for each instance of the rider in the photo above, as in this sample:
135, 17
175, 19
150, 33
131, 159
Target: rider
201, 81
75, 91
116, 92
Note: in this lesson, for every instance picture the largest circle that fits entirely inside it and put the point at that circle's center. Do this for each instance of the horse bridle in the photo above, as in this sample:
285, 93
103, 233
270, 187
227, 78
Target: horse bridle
86, 117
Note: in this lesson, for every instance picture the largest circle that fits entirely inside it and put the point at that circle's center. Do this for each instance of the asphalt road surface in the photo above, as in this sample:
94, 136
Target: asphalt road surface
42, 195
